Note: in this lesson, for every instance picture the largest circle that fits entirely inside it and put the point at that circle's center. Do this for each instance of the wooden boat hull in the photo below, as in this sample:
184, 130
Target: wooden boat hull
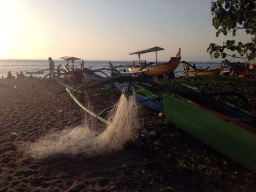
247, 70
153, 70
205, 72
162, 69
229, 137
37, 72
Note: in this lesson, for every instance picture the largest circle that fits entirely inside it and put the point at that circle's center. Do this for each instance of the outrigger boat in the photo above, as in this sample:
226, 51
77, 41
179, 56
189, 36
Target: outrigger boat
72, 75
142, 95
205, 71
72, 60
221, 126
227, 129
154, 69
244, 69
36, 72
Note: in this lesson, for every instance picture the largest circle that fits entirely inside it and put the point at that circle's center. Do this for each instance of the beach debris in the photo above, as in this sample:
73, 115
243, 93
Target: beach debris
13, 135
60, 111
161, 114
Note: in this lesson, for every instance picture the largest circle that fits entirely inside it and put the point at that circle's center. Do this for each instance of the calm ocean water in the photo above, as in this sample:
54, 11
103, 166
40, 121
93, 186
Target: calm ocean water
35, 65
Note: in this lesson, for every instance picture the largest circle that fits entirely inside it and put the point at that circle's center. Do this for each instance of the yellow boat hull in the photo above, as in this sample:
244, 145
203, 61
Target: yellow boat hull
205, 72
157, 69
153, 70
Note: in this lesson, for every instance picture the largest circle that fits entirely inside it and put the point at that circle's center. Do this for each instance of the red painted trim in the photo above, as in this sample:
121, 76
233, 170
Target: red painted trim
221, 116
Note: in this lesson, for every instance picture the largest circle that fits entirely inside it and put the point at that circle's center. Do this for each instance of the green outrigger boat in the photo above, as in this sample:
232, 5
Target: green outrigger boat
225, 128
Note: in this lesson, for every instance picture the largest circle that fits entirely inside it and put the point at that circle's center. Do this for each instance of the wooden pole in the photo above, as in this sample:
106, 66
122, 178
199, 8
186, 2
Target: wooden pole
187, 71
72, 64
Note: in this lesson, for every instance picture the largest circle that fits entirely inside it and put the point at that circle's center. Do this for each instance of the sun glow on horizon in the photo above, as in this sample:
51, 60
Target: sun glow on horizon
22, 32
38, 29
7, 19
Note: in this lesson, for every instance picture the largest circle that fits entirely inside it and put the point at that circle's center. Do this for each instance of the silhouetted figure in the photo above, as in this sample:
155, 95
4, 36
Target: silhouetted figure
58, 69
67, 67
185, 66
82, 65
20, 76
51, 66
9, 75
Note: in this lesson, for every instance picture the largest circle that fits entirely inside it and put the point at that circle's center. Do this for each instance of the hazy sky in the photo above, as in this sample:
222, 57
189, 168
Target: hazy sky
107, 29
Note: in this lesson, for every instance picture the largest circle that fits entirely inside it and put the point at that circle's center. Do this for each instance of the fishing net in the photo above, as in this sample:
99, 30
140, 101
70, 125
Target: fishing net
86, 139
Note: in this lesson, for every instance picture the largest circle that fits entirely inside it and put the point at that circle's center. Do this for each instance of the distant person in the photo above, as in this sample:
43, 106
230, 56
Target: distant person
82, 65
67, 67
58, 69
143, 63
9, 75
194, 66
185, 66
51, 66
22, 76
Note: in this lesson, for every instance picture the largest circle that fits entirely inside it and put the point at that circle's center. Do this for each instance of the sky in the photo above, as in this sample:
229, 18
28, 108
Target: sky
108, 29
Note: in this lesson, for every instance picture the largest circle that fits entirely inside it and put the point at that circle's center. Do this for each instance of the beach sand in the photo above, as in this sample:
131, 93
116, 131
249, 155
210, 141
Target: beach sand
30, 109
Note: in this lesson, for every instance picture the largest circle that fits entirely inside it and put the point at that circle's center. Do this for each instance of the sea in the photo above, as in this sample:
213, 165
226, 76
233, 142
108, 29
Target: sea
15, 65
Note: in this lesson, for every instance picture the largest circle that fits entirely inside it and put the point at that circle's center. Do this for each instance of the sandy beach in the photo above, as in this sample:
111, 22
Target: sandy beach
31, 109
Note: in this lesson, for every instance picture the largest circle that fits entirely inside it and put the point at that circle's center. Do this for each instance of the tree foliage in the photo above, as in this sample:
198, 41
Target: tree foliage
229, 16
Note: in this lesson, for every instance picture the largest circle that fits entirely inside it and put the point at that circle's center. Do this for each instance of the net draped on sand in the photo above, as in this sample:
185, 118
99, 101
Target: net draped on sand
85, 139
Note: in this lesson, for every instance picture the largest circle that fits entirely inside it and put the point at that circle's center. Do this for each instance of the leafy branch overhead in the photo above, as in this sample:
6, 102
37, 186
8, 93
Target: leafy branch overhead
229, 16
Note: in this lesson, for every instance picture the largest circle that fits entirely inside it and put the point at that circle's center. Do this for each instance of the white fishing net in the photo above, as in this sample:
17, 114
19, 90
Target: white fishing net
86, 139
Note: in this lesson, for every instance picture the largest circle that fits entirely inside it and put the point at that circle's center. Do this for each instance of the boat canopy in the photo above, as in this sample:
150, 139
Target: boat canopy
153, 49
67, 58
72, 59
